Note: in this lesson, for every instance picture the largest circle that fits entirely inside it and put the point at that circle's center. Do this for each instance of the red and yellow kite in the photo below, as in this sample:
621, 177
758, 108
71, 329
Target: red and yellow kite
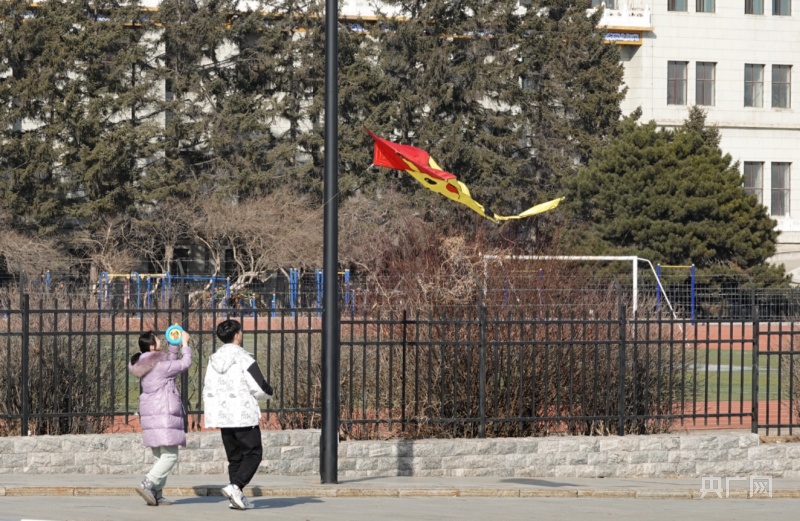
424, 169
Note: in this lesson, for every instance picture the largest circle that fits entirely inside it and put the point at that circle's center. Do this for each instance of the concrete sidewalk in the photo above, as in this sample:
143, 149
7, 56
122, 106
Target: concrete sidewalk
19, 485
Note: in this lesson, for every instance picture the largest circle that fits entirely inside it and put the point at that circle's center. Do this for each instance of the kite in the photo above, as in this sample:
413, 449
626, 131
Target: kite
421, 166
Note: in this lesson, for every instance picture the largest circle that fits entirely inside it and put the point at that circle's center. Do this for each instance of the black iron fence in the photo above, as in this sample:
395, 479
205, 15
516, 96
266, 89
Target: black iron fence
728, 297
473, 373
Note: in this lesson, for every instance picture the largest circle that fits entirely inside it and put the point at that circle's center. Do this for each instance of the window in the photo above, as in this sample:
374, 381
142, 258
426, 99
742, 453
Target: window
677, 5
676, 83
609, 4
780, 189
753, 6
753, 179
705, 6
753, 85
782, 86
705, 83
781, 7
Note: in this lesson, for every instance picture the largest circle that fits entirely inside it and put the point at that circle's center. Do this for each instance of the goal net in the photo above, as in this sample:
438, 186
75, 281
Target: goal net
566, 284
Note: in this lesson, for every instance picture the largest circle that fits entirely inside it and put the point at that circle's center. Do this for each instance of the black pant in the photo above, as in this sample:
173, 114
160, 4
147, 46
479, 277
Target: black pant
243, 448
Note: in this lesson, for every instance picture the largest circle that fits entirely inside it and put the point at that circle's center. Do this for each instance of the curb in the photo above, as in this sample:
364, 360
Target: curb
352, 492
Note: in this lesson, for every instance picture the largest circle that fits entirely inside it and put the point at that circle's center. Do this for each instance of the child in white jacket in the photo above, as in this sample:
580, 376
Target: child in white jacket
232, 388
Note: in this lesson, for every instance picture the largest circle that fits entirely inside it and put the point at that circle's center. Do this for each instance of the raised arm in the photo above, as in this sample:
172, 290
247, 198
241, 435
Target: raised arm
178, 366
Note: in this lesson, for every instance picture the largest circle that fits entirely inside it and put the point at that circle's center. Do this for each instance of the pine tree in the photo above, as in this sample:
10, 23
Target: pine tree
109, 128
510, 101
188, 61
571, 88
671, 196
71, 141
293, 45
36, 61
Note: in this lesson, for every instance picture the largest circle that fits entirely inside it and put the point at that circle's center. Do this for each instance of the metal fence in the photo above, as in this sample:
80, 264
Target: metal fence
675, 293
475, 372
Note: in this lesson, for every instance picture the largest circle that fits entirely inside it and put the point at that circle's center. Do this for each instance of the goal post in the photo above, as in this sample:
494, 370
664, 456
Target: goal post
634, 260
692, 286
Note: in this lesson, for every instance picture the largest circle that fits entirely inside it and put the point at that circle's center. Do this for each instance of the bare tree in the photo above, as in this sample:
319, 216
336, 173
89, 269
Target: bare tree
371, 227
157, 232
275, 231
263, 234
108, 247
26, 254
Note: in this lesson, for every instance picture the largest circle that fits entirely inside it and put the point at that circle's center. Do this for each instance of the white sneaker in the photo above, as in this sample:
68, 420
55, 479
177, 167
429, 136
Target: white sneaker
235, 496
247, 504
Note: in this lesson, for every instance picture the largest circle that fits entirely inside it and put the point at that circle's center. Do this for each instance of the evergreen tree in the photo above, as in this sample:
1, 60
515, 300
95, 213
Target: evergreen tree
36, 64
293, 45
205, 98
247, 138
245, 98
443, 89
571, 87
71, 142
189, 60
509, 100
110, 131
361, 88
671, 196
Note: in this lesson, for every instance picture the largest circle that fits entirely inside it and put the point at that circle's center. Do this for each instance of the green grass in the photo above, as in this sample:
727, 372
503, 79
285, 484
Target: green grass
727, 378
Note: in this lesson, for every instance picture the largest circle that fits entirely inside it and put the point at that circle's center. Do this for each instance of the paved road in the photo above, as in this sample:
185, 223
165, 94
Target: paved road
129, 508
111, 498
418, 509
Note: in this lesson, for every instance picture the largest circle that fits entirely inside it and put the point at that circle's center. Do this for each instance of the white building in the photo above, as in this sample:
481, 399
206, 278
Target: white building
735, 58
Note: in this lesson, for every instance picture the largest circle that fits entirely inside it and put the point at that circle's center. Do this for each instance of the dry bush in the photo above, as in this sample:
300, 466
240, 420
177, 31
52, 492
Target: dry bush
551, 346
788, 391
405, 261
69, 373
542, 375
291, 364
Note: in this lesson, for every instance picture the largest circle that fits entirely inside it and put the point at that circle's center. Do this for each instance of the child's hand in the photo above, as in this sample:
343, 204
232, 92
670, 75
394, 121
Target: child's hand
185, 338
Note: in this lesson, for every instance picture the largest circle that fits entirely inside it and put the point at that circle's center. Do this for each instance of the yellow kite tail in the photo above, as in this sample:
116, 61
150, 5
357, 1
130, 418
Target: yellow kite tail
539, 208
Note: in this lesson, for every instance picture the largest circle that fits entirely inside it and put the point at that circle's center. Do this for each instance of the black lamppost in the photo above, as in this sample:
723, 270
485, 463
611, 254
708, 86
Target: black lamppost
329, 442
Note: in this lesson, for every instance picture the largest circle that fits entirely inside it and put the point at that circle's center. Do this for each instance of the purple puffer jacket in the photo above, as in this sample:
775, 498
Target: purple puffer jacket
160, 410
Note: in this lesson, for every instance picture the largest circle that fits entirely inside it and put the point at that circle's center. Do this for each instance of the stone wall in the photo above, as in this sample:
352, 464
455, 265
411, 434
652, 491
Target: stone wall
297, 453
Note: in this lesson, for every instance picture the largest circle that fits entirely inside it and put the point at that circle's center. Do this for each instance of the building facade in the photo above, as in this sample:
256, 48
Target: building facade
735, 59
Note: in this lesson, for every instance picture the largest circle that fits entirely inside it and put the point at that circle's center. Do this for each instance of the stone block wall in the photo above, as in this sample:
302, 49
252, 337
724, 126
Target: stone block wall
297, 453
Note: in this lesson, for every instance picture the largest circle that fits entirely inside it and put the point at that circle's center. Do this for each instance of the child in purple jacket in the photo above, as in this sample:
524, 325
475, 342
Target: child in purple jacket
160, 409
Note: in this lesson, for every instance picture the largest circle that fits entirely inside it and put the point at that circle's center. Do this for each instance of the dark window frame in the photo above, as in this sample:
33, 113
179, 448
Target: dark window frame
705, 83
753, 173
751, 85
676, 85
782, 87
755, 7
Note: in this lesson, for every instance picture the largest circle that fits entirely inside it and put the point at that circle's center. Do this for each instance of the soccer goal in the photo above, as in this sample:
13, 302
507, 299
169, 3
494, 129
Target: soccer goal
511, 276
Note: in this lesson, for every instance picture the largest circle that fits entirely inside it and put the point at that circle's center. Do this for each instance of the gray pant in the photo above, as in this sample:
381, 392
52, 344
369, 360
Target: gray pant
166, 458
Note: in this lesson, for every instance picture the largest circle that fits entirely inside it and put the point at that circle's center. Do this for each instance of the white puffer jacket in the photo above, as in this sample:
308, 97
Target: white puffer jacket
232, 387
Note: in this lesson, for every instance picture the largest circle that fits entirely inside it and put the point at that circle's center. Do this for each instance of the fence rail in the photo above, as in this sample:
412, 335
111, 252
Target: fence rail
473, 373
729, 297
